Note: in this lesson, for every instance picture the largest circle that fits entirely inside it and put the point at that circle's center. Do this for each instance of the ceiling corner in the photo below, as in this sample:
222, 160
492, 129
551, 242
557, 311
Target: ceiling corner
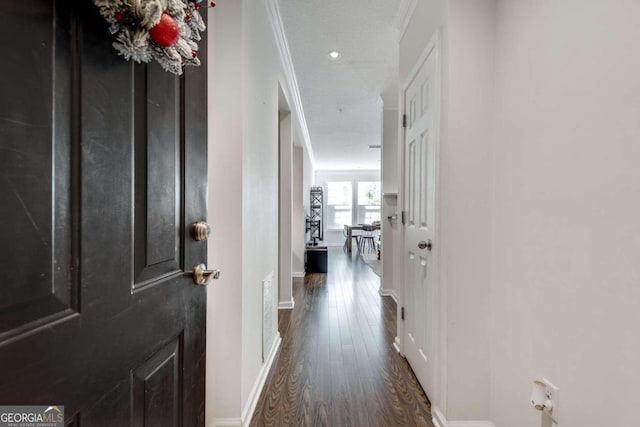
403, 16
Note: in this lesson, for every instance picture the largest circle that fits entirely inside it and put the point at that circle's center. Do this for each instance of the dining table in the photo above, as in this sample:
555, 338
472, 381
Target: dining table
364, 227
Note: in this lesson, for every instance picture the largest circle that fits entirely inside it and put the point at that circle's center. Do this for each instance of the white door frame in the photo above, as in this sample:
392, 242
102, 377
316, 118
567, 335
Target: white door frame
440, 325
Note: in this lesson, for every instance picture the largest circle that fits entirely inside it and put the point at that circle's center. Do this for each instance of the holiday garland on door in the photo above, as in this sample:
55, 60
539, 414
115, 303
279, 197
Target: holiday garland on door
164, 30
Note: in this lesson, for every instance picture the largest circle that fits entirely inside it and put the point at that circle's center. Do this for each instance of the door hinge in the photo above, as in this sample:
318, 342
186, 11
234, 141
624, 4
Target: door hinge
402, 216
402, 313
404, 120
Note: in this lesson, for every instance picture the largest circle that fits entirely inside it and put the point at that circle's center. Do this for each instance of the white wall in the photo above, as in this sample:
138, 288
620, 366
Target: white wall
286, 210
261, 72
390, 173
565, 244
298, 212
245, 69
466, 178
391, 230
308, 180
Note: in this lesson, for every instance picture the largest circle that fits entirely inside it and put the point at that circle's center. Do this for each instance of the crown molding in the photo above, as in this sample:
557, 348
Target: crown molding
277, 26
403, 16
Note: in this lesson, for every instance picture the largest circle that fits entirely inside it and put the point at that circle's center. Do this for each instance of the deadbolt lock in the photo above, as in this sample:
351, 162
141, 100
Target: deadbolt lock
201, 231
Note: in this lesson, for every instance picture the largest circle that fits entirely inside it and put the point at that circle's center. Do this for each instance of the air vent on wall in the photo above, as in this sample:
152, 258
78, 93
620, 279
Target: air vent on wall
375, 146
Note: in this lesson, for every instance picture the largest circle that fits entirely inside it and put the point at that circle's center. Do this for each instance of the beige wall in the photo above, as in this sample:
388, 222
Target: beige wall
224, 298
537, 208
565, 180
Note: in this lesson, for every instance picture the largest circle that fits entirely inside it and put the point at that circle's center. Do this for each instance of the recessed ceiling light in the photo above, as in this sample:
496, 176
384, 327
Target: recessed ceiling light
334, 54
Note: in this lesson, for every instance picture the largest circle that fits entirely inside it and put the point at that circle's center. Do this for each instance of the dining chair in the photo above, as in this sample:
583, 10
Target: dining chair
355, 234
368, 238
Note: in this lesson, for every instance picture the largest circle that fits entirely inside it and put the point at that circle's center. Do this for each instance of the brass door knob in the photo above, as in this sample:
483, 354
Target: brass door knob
202, 276
201, 231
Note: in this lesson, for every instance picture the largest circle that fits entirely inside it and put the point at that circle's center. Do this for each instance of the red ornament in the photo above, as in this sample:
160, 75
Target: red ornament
194, 54
166, 32
118, 16
213, 4
187, 17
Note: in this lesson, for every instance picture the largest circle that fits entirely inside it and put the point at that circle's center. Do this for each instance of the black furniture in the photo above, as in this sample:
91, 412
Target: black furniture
316, 259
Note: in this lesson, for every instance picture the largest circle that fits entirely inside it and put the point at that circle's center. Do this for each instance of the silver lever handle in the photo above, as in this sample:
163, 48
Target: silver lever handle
202, 276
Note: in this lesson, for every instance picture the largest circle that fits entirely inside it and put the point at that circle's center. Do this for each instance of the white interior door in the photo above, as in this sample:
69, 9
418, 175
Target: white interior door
420, 150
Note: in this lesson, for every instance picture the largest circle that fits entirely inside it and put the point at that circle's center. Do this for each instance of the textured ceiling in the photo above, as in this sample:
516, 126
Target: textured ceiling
340, 98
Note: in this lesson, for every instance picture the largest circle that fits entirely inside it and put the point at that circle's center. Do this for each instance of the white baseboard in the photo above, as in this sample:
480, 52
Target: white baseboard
286, 305
226, 422
298, 274
254, 396
389, 293
396, 344
440, 421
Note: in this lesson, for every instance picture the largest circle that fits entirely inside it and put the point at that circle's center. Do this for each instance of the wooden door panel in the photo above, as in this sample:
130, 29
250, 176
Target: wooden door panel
419, 229
423, 213
103, 167
158, 147
410, 186
39, 163
155, 383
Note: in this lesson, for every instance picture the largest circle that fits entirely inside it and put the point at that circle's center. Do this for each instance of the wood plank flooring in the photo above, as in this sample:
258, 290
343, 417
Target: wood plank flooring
337, 365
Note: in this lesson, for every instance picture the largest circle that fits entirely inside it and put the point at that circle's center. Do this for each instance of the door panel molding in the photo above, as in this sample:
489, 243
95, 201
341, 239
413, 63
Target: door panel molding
424, 104
44, 239
161, 374
158, 147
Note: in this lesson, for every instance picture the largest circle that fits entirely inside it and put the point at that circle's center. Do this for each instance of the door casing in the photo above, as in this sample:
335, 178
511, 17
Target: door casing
438, 254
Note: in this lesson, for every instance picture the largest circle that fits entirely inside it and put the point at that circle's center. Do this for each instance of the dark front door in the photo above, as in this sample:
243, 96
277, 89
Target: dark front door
102, 171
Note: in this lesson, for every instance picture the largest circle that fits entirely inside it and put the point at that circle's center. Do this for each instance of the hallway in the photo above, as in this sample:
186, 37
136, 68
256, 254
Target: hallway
337, 365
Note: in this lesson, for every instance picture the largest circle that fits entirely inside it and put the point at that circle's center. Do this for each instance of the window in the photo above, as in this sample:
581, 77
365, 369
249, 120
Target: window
351, 201
339, 201
368, 209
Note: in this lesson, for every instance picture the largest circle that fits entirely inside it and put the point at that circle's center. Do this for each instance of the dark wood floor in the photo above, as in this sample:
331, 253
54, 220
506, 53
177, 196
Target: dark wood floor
337, 365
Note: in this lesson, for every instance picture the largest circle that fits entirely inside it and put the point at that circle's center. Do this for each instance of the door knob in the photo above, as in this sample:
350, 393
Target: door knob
201, 231
202, 276
425, 245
